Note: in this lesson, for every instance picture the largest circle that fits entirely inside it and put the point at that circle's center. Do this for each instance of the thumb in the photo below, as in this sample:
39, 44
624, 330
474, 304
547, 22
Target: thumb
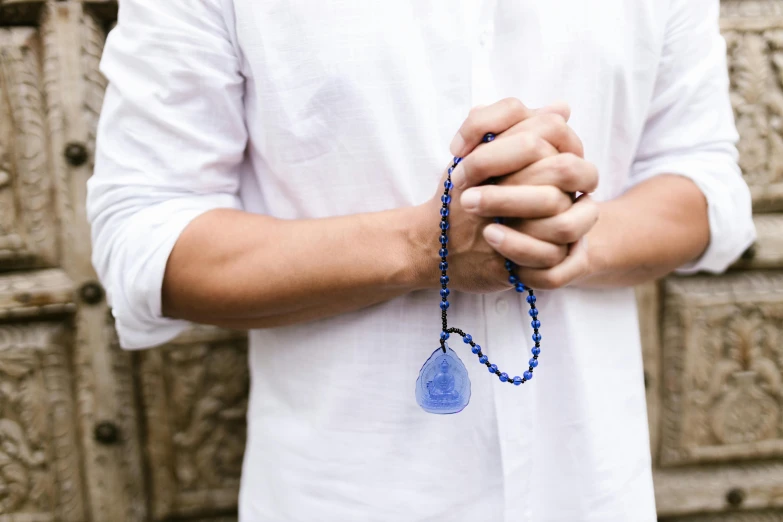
558, 107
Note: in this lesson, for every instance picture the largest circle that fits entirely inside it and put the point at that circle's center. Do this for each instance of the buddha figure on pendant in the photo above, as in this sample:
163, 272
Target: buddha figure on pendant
443, 385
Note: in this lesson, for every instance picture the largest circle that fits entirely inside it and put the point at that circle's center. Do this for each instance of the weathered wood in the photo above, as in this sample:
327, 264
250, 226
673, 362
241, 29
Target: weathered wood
72, 45
753, 30
194, 396
28, 233
35, 294
711, 489
40, 472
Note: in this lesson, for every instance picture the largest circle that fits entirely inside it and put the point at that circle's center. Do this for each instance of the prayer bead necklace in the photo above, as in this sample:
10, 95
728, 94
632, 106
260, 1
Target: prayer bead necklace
443, 385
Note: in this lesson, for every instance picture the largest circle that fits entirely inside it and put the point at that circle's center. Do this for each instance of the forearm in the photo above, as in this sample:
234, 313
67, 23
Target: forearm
241, 270
647, 232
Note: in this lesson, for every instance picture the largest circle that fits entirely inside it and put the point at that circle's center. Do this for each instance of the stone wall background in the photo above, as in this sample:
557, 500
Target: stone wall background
91, 433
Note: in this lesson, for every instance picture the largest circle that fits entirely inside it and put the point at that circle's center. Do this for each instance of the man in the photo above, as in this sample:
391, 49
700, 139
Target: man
278, 166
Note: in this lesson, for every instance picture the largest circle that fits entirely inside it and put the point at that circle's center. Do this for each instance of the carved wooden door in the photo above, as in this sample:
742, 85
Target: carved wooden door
713, 346
91, 433
88, 432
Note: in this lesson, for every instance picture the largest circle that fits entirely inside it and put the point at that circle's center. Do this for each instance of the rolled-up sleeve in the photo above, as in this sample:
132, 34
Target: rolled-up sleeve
690, 129
170, 142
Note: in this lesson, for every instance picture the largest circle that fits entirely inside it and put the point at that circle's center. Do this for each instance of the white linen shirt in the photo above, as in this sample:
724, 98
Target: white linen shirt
315, 108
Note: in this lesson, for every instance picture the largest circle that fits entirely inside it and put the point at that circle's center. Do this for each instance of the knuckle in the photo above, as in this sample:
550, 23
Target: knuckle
541, 147
554, 119
567, 167
552, 200
513, 105
591, 177
565, 230
478, 163
552, 257
549, 280
489, 200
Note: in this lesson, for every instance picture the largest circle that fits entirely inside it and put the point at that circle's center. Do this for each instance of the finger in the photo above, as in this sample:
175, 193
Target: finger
552, 127
566, 171
566, 227
540, 136
494, 118
574, 267
558, 107
522, 249
519, 201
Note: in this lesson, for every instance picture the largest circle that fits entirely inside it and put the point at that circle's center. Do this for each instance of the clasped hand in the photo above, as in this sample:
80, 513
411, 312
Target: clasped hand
529, 176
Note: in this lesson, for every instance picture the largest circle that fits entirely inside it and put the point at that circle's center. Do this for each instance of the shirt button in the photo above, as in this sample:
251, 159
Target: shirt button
484, 38
501, 306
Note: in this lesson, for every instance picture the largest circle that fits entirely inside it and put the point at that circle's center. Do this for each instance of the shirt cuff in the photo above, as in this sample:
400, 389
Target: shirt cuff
135, 261
728, 204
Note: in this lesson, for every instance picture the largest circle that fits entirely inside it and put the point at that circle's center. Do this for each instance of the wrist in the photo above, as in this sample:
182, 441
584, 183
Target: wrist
598, 250
419, 247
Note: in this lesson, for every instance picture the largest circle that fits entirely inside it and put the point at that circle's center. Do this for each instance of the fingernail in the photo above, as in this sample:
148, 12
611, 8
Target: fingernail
494, 235
470, 199
458, 176
457, 144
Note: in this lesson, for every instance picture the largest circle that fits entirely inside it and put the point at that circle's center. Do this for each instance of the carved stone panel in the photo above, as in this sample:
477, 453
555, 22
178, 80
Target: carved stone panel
40, 477
722, 360
27, 225
194, 394
754, 36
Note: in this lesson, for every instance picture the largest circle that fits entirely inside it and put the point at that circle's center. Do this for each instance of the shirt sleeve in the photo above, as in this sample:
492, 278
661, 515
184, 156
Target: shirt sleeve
690, 129
170, 142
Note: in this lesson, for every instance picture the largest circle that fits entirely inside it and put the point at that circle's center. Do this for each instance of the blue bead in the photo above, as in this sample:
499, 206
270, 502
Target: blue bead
535, 324
520, 288
445, 198
533, 362
531, 299
444, 280
483, 359
537, 337
492, 368
488, 137
444, 212
475, 348
444, 292
536, 350
444, 305
467, 339
517, 380
533, 312
443, 265
457, 160
512, 279
444, 336
444, 225
528, 375
503, 377
444, 239
448, 184
443, 252
451, 169
509, 265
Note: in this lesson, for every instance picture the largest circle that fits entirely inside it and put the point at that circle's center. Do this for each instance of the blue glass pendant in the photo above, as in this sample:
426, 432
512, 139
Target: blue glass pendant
443, 385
